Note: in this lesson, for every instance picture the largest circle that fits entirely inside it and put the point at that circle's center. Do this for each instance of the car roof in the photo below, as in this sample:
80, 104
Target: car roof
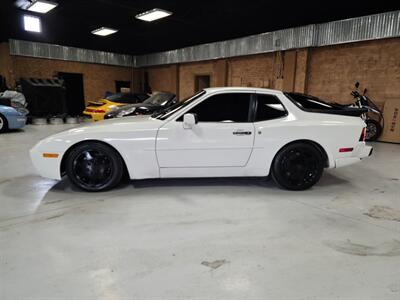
240, 88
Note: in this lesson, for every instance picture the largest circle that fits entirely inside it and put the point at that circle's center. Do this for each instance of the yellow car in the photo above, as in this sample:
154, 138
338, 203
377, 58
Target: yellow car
97, 109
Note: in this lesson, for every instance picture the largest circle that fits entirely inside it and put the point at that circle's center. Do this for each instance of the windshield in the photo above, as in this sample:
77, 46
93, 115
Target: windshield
165, 113
159, 99
127, 98
114, 97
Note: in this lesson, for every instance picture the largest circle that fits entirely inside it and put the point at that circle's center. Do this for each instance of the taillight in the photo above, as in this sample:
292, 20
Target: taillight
99, 111
341, 150
363, 134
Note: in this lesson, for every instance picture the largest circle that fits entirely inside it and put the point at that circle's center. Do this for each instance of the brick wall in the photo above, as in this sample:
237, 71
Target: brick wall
6, 64
163, 78
302, 61
329, 72
333, 70
97, 79
180, 79
256, 71
187, 73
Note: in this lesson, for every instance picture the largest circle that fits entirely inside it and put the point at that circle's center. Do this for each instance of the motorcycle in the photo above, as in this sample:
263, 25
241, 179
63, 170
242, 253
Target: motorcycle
374, 124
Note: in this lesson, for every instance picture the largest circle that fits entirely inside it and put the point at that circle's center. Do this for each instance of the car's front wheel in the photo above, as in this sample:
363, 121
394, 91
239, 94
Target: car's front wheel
297, 166
94, 167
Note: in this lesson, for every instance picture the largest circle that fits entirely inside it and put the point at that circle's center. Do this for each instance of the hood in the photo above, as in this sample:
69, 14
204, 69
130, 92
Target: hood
112, 126
114, 131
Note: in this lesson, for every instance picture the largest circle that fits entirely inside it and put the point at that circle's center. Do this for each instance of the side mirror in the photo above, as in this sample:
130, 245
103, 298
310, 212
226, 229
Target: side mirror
189, 120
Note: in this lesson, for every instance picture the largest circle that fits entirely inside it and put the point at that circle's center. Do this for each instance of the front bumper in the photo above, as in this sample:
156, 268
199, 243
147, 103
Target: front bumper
16, 122
46, 167
360, 152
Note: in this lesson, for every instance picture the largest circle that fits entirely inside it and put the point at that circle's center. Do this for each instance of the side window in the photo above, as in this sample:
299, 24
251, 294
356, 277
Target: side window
229, 107
269, 107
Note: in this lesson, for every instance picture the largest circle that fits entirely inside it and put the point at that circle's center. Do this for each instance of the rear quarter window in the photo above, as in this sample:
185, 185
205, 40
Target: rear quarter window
268, 108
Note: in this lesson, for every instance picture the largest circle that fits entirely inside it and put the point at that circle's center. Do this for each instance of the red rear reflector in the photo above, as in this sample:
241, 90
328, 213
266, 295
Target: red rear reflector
363, 134
100, 111
345, 150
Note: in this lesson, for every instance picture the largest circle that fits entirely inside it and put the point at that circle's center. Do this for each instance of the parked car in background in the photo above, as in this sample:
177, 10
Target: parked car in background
156, 102
12, 118
219, 132
97, 109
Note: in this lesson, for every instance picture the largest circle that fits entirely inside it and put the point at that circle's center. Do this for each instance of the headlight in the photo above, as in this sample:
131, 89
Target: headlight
126, 112
113, 108
22, 111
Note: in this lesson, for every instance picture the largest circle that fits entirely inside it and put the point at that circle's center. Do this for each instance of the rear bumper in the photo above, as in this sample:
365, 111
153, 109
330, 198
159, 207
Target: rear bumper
360, 152
95, 116
365, 152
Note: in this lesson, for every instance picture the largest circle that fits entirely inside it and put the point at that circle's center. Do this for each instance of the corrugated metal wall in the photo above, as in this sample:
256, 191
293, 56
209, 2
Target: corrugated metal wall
372, 27
42, 50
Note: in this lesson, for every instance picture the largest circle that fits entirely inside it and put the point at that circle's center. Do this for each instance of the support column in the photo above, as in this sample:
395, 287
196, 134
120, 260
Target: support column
221, 72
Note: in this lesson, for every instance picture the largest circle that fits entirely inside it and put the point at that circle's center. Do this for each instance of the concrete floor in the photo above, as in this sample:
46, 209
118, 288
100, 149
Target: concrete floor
199, 238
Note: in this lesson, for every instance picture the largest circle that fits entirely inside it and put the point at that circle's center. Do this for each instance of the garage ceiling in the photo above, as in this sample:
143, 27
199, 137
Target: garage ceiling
192, 22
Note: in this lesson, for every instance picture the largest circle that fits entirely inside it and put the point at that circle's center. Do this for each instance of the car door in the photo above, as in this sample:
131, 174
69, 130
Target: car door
223, 136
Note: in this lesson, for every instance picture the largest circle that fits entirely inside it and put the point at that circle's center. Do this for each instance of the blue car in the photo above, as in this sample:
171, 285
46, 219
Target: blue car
10, 118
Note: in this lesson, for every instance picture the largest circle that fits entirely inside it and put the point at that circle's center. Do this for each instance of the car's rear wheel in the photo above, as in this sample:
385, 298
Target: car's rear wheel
297, 166
374, 130
3, 123
94, 167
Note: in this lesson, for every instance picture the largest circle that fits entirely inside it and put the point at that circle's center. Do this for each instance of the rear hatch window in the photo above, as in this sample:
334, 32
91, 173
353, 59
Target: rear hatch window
314, 104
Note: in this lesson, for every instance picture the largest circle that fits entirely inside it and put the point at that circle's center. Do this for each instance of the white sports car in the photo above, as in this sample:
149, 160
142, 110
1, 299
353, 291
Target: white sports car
219, 132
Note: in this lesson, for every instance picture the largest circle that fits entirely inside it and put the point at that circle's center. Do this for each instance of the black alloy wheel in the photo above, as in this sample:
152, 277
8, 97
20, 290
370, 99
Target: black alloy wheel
298, 166
374, 130
94, 167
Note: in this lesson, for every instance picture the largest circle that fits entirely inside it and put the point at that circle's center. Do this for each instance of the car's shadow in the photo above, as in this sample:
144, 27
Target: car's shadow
327, 179
10, 131
36, 195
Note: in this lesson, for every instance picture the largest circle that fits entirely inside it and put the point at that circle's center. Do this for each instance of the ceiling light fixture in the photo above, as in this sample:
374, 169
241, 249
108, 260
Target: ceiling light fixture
41, 6
104, 31
32, 23
154, 14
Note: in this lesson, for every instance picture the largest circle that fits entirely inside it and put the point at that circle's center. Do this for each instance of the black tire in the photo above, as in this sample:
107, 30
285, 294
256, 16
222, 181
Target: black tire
3, 124
374, 130
297, 166
94, 167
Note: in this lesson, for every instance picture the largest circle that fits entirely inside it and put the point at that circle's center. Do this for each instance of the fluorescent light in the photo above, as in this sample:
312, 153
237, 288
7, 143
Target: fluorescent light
154, 14
103, 31
32, 23
42, 6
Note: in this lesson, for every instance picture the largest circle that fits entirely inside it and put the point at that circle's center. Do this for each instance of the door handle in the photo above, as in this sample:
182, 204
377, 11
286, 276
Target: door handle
241, 132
